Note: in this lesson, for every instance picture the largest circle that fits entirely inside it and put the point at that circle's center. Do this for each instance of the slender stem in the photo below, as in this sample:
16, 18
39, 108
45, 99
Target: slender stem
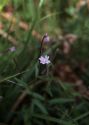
42, 41
41, 50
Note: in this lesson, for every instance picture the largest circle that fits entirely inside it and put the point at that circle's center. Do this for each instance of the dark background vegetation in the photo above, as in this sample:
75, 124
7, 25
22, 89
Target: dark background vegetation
33, 94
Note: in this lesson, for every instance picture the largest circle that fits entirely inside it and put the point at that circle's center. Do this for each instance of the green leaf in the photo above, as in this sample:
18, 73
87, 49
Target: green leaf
81, 116
60, 101
41, 106
53, 119
70, 10
3, 3
37, 96
41, 3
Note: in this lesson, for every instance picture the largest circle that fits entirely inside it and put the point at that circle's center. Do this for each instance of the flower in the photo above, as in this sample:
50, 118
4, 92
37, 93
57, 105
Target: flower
46, 38
12, 49
44, 59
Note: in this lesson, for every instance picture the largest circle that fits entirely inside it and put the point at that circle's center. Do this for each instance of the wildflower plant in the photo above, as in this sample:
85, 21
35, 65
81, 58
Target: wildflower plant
35, 84
44, 59
46, 38
12, 49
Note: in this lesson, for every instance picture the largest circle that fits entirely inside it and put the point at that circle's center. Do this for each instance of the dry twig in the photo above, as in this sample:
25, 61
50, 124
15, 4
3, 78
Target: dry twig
21, 24
9, 37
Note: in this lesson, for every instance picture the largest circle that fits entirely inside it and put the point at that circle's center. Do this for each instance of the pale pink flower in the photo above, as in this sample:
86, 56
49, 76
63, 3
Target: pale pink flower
46, 38
12, 49
44, 59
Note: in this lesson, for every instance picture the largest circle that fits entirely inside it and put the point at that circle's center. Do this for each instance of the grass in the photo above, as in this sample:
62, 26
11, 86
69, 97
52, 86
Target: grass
36, 94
